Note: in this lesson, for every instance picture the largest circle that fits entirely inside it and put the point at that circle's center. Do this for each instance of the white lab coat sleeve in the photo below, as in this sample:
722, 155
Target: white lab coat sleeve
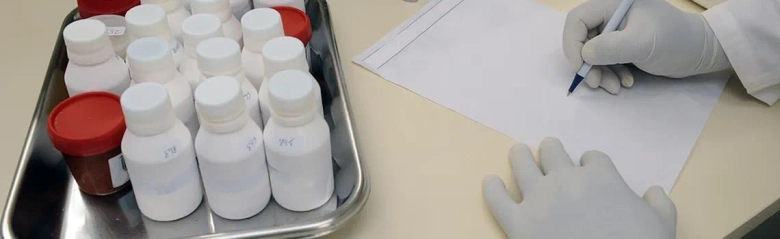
749, 31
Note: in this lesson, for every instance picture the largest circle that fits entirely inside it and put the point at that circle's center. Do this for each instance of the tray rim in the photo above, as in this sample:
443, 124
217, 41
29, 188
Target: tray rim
334, 220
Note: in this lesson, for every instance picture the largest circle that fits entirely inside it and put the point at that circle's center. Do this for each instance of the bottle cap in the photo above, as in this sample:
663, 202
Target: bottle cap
291, 93
219, 8
147, 21
260, 26
147, 109
116, 32
87, 42
296, 23
90, 8
219, 56
284, 53
219, 99
197, 28
151, 60
87, 124
167, 5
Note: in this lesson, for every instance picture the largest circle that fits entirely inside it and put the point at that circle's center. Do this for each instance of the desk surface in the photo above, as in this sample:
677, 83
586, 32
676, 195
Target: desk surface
426, 162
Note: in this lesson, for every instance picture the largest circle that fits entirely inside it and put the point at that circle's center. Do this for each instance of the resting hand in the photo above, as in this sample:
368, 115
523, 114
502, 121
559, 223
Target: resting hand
562, 200
655, 36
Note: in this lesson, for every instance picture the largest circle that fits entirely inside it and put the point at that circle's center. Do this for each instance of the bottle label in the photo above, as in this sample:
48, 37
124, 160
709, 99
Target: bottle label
247, 95
292, 161
279, 176
251, 144
118, 170
291, 144
116, 31
172, 149
158, 187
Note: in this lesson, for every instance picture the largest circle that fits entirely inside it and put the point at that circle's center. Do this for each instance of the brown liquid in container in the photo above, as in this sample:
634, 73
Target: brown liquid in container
88, 130
93, 173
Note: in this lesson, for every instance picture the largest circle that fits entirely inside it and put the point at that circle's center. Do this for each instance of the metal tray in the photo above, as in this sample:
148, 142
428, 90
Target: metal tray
44, 201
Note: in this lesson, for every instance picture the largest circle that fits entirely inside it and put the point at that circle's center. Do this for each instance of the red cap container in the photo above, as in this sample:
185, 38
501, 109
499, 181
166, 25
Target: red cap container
295, 23
90, 8
88, 130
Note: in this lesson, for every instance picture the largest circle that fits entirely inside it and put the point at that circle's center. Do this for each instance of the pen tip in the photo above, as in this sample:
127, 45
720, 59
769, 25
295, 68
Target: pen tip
567, 94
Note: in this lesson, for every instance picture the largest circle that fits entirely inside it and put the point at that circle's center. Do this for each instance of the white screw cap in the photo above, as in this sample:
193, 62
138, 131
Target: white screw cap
87, 42
147, 21
284, 53
147, 108
117, 28
260, 26
291, 93
219, 99
219, 8
167, 5
219, 56
197, 28
150, 59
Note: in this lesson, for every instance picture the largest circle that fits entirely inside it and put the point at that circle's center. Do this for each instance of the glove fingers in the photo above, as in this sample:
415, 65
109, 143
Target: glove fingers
619, 47
662, 204
593, 79
524, 168
594, 158
575, 30
609, 81
497, 198
553, 156
593, 33
625, 75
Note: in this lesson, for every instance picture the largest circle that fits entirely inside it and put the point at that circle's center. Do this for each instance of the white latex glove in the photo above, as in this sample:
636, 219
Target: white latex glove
654, 35
562, 200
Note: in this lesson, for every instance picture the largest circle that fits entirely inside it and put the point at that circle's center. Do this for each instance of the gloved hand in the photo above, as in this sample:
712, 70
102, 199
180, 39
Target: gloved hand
566, 201
654, 35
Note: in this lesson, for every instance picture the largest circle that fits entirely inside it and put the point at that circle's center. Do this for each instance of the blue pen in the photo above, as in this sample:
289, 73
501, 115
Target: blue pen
612, 25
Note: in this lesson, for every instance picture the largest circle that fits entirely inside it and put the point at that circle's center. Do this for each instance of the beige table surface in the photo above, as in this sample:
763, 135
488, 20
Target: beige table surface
426, 162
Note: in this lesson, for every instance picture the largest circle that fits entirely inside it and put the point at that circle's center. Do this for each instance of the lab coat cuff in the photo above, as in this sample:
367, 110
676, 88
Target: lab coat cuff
737, 48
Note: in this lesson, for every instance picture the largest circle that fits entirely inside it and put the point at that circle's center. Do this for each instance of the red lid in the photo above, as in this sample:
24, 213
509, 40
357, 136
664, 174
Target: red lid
90, 8
87, 124
295, 23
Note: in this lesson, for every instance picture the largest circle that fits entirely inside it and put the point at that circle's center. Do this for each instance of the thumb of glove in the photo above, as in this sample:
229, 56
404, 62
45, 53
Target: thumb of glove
663, 205
618, 47
497, 198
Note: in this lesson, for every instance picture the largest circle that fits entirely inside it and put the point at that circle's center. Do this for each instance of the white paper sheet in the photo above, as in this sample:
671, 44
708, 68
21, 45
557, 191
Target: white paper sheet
500, 63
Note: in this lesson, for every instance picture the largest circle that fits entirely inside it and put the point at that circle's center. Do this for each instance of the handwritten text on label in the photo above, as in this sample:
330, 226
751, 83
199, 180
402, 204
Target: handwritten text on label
116, 31
252, 144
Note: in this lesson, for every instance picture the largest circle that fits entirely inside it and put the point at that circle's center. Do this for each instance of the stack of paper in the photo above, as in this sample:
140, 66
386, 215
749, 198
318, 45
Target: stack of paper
500, 62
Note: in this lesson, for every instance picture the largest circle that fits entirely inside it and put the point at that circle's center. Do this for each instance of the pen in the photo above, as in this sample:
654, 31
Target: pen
612, 25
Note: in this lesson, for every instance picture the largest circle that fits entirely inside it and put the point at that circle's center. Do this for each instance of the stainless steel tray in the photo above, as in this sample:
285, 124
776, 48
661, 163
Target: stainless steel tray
44, 201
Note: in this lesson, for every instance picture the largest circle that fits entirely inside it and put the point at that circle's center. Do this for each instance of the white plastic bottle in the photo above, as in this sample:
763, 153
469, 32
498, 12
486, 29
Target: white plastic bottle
159, 155
299, 4
284, 53
195, 29
221, 56
186, 5
116, 32
151, 61
230, 151
240, 7
176, 14
231, 28
150, 21
93, 65
297, 141
260, 26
